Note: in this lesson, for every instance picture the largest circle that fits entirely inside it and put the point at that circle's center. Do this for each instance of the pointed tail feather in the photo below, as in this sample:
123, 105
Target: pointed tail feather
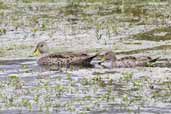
155, 59
87, 61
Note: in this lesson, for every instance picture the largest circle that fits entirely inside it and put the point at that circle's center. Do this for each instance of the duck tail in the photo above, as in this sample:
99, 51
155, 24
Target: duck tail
91, 57
87, 62
155, 59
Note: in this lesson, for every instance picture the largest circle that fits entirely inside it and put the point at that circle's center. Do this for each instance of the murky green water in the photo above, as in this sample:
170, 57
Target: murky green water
126, 27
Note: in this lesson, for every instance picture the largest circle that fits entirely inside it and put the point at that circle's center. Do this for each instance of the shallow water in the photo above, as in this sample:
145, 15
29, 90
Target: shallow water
127, 28
28, 88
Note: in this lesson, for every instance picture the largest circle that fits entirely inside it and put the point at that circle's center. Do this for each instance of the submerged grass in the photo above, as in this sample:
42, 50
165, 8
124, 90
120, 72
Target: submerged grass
159, 34
85, 95
3, 5
162, 47
92, 94
106, 18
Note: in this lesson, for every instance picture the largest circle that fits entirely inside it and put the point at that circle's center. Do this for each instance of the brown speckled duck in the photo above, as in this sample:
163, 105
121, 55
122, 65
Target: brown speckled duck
62, 59
110, 61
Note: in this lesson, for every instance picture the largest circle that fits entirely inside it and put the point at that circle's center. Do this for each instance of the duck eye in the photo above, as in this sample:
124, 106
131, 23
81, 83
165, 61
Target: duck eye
41, 45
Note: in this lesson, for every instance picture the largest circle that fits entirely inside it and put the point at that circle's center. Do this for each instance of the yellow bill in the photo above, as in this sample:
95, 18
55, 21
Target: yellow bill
36, 52
103, 59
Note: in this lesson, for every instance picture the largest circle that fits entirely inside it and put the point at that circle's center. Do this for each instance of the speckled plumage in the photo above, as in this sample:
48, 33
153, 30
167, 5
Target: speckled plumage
126, 62
63, 59
66, 59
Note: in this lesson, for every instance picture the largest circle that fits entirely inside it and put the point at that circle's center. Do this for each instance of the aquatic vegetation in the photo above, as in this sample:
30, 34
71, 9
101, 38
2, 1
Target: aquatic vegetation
3, 5
125, 26
78, 17
2, 31
159, 34
87, 96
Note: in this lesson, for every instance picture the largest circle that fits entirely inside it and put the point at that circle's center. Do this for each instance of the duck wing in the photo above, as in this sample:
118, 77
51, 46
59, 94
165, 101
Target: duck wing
81, 59
126, 63
66, 59
131, 61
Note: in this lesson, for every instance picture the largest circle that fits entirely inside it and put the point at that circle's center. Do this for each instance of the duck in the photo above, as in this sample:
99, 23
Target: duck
64, 59
109, 60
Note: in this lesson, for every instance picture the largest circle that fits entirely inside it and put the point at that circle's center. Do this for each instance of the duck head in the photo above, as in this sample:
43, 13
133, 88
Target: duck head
41, 48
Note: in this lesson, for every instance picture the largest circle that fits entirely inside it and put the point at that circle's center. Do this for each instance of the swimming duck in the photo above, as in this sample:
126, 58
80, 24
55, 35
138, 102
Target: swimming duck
110, 61
62, 59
